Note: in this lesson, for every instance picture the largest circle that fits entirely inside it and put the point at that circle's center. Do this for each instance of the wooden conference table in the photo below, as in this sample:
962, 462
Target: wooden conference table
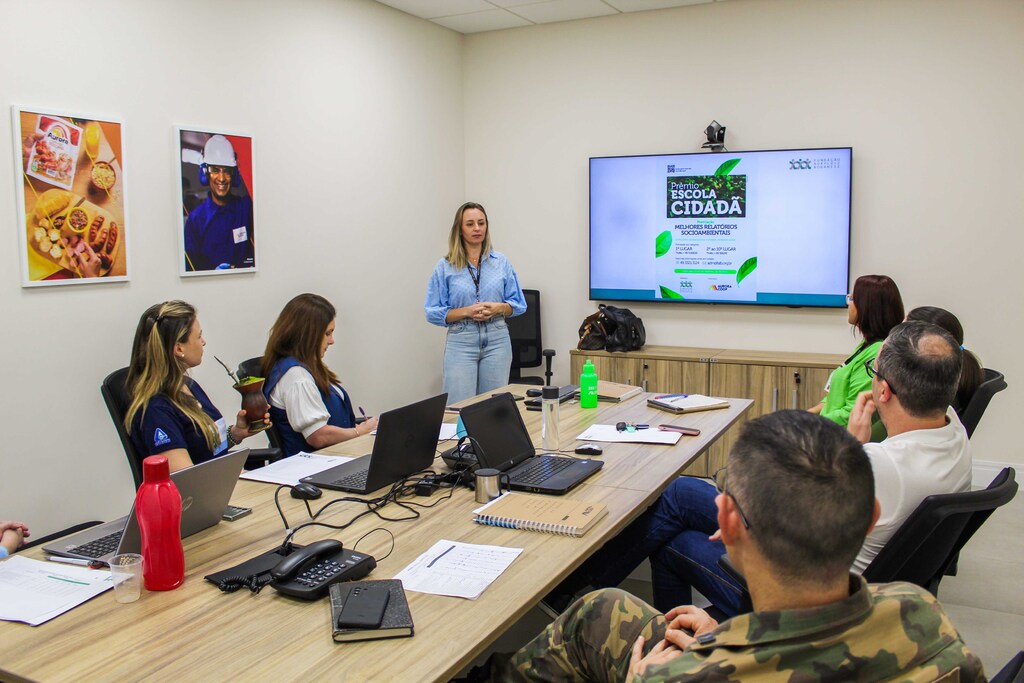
197, 633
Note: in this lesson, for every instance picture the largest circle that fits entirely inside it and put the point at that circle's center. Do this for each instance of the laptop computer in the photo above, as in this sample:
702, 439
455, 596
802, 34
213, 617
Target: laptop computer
406, 443
205, 489
497, 426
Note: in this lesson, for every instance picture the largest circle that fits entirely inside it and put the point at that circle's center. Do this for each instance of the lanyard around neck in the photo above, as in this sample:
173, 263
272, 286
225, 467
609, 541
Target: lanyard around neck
475, 278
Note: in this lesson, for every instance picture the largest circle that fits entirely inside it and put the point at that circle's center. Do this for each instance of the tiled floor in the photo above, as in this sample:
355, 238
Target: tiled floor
985, 600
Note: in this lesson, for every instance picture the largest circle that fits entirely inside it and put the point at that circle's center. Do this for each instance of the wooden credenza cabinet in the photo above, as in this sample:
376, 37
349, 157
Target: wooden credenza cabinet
773, 379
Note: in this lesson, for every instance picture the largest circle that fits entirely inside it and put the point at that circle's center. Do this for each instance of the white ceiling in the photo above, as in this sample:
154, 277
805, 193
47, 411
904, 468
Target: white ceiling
473, 16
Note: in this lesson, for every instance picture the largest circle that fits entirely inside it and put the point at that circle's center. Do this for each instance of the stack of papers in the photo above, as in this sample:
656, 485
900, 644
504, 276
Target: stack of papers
288, 471
35, 592
611, 434
462, 570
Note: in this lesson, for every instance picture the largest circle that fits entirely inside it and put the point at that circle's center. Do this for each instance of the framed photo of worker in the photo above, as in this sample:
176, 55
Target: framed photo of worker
218, 228
70, 184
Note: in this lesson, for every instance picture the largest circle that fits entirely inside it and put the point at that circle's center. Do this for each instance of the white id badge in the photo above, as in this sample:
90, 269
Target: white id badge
829, 382
222, 434
240, 234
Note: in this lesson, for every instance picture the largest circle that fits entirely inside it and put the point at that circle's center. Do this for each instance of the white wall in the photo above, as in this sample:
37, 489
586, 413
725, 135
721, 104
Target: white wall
371, 126
926, 92
356, 111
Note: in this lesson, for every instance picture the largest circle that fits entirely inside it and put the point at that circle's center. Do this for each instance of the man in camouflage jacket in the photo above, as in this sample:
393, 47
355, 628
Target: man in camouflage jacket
793, 512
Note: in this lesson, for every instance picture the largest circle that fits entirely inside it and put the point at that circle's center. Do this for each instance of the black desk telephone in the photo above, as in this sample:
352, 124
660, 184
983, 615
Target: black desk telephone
308, 572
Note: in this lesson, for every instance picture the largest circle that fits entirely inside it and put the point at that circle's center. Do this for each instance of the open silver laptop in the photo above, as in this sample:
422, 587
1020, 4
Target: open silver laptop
205, 489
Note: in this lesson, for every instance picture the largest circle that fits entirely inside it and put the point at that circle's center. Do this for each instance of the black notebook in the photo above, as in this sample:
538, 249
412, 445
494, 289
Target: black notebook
397, 620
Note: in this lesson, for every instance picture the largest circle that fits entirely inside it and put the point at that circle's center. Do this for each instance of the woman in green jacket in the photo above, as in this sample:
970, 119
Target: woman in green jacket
875, 307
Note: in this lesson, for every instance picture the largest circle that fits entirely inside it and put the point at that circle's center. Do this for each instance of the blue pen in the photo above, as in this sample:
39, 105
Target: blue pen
660, 398
362, 412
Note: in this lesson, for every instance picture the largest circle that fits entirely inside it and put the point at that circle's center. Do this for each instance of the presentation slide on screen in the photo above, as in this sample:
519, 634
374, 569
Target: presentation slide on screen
744, 227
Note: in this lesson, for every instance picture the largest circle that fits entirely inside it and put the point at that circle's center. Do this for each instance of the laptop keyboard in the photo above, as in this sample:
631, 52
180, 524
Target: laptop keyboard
542, 469
356, 480
100, 547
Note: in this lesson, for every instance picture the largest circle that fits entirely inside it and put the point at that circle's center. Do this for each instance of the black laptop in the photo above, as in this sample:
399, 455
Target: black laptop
205, 489
406, 443
497, 426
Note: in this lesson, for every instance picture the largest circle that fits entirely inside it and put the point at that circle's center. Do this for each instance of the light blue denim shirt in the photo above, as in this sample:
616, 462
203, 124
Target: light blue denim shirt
449, 288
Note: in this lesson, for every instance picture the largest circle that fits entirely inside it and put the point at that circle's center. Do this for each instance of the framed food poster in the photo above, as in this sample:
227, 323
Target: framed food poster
71, 186
218, 232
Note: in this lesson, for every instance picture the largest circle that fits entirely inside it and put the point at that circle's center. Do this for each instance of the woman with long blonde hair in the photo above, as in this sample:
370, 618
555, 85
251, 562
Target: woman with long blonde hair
471, 292
169, 413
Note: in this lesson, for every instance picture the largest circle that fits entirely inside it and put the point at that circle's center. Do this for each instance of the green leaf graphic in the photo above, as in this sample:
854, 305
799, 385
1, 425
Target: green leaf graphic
669, 294
746, 269
662, 244
727, 166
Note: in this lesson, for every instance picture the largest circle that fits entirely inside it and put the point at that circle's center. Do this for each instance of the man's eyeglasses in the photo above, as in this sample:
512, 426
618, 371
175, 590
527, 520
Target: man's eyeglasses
719, 479
873, 372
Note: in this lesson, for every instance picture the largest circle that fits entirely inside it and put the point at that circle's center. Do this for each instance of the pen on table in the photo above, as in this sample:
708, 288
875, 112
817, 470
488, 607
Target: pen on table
642, 426
92, 564
431, 563
451, 409
660, 398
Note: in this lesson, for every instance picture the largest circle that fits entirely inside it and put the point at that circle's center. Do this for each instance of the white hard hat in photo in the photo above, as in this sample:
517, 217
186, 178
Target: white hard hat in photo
219, 152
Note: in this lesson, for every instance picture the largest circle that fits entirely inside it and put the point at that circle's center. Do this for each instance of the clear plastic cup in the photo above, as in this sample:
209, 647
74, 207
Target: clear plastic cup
126, 571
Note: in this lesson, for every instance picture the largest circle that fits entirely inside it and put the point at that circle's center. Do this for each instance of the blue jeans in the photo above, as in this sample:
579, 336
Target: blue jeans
477, 358
674, 534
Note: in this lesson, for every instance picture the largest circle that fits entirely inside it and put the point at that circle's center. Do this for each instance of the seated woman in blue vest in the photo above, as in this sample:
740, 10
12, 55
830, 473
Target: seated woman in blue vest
307, 402
169, 413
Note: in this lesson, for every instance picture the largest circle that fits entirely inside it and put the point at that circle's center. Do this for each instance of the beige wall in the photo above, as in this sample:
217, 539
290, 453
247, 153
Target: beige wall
356, 111
927, 93
371, 126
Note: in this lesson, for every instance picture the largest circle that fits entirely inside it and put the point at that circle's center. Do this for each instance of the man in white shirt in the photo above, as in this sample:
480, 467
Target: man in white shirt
914, 380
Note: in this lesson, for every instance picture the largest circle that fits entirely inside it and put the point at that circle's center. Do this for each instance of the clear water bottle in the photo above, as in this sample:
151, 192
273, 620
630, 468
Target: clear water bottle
158, 509
549, 418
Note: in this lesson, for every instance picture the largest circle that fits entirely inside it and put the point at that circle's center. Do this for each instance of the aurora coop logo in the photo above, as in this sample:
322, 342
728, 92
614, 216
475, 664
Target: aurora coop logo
709, 196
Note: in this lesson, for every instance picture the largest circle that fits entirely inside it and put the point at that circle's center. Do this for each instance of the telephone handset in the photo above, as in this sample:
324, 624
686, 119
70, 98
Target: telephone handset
308, 572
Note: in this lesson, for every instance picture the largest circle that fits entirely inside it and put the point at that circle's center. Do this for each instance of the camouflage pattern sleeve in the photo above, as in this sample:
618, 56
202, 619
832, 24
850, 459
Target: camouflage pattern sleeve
592, 640
879, 633
885, 632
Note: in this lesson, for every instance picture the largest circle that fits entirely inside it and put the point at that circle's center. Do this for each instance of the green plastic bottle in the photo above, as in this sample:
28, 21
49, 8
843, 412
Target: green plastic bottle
588, 386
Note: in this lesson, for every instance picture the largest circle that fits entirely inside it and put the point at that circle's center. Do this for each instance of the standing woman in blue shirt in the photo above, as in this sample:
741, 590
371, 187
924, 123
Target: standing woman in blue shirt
169, 413
471, 292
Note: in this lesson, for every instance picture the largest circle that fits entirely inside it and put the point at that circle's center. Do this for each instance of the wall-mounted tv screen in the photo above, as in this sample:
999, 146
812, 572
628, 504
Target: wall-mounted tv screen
770, 227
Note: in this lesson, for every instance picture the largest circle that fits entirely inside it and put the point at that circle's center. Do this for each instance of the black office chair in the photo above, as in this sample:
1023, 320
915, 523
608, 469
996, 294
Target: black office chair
115, 396
975, 408
526, 343
1013, 672
928, 543
931, 538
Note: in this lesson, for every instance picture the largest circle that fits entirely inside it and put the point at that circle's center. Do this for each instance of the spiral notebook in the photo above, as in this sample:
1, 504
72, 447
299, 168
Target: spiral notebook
540, 513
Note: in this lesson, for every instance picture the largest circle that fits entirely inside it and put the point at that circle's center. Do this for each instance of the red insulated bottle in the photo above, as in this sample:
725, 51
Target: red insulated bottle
158, 509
